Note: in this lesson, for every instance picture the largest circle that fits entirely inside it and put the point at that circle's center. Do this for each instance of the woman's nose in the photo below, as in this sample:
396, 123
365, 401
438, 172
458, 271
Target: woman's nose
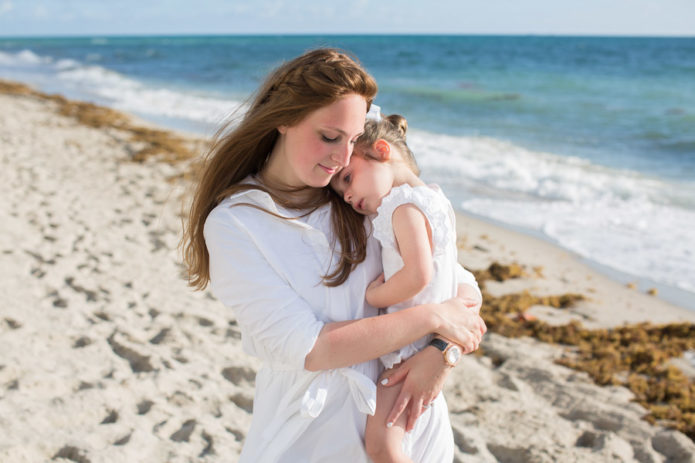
342, 155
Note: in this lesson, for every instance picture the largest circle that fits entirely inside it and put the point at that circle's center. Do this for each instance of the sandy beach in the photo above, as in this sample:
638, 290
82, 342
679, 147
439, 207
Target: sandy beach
106, 355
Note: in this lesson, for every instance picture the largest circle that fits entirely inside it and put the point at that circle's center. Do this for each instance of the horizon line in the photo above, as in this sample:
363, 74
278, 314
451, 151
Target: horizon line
348, 34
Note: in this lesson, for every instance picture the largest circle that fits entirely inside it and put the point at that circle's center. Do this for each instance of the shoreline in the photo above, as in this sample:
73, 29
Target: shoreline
669, 292
109, 356
671, 295
576, 275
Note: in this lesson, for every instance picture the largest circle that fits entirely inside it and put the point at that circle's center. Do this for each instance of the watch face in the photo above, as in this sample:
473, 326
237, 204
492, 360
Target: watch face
453, 355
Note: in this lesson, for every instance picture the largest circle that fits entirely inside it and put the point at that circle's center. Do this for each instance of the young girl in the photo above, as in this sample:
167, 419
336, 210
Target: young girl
415, 225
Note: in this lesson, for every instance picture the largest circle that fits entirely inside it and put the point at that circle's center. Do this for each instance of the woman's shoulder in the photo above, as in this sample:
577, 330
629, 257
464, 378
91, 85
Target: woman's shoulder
251, 195
244, 206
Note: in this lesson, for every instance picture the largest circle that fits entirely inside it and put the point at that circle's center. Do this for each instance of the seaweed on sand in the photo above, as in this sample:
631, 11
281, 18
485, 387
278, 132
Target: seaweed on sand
165, 146
635, 356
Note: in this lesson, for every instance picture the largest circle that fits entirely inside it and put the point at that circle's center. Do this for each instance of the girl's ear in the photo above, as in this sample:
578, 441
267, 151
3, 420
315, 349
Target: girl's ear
282, 129
382, 149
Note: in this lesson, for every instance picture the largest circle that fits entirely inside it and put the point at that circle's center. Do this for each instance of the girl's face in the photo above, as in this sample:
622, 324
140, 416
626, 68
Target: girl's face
312, 151
367, 179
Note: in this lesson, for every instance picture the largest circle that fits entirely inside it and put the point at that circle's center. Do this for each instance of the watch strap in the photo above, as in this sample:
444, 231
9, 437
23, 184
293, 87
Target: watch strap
439, 344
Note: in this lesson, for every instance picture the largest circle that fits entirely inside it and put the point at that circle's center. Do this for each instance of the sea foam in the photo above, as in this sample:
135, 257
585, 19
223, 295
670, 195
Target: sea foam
101, 85
622, 219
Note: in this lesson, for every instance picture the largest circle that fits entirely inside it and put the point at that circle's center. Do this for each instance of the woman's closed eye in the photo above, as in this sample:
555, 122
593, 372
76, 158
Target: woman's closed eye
329, 139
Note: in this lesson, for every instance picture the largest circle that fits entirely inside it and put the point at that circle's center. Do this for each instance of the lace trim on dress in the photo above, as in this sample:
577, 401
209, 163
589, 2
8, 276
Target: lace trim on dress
431, 202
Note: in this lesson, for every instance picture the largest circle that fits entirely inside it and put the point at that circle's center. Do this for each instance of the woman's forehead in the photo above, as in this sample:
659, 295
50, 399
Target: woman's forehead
345, 115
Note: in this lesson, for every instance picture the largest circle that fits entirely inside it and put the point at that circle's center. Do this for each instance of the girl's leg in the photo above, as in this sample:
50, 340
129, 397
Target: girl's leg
385, 445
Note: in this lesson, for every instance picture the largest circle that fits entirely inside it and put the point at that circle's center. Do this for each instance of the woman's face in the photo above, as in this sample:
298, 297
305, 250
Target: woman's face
312, 151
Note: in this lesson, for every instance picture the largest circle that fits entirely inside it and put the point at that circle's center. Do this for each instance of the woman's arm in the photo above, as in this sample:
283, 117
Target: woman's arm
414, 245
341, 344
279, 326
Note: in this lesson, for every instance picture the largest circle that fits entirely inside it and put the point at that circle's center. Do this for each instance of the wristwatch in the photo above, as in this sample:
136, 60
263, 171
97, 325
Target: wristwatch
452, 353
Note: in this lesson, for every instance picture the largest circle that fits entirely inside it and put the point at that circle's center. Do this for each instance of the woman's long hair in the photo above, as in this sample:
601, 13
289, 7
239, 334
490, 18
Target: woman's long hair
290, 93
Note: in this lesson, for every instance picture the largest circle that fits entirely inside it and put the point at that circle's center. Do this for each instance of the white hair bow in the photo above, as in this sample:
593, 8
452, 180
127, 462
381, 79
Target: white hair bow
374, 113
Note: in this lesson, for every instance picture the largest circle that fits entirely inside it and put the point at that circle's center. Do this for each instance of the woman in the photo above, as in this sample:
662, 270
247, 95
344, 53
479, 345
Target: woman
293, 262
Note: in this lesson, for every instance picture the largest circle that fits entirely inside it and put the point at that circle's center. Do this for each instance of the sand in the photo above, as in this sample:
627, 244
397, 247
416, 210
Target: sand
106, 355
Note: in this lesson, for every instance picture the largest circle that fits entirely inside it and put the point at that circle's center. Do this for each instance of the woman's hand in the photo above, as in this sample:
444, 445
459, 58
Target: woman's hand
460, 323
423, 377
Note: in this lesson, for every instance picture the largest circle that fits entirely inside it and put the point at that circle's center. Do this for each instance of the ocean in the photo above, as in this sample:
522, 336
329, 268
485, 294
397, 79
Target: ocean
588, 142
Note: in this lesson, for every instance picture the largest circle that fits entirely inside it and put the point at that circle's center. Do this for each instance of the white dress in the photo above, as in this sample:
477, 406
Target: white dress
443, 285
267, 270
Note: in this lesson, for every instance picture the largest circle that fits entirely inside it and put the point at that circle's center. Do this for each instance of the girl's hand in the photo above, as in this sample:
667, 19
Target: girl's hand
423, 377
372, 286
461, 324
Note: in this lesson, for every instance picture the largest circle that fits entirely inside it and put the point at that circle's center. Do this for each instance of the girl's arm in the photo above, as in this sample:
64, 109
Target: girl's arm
414, 245
347, 343
471, 296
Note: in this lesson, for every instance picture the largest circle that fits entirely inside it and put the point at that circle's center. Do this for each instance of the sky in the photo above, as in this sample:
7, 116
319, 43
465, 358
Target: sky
175, 17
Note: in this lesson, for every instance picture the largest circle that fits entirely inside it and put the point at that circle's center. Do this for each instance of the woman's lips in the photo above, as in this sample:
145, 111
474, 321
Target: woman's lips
328, 170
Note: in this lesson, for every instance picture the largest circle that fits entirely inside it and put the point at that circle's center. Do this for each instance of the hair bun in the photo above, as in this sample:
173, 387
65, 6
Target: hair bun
399, 122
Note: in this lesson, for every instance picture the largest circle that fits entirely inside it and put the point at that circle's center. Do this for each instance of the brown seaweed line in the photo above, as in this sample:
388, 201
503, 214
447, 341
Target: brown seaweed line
635, 356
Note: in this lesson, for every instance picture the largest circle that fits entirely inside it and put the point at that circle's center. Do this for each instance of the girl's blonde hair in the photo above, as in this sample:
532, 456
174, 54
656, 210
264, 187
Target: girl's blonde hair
290, 93
392, 129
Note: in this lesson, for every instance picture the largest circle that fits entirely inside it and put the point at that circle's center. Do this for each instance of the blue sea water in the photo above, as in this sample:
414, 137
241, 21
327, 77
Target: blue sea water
587, 141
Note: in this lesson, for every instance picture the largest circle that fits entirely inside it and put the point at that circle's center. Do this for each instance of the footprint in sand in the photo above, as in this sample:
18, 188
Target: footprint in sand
184, 433
243, 401
12, 323
138, 363
144, 406
240, 376
208, 450
71, 453
111, 418
123, 440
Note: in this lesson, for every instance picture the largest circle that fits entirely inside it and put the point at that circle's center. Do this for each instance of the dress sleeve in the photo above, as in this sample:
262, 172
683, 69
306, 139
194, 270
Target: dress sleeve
434, 207
277, 324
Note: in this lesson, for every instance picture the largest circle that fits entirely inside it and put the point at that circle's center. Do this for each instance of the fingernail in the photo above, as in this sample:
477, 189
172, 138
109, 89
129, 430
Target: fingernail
388, 425
385, 381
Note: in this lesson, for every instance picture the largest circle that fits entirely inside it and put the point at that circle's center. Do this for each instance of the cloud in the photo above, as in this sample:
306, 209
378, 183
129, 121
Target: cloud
273, 8
6, 6
40, 11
